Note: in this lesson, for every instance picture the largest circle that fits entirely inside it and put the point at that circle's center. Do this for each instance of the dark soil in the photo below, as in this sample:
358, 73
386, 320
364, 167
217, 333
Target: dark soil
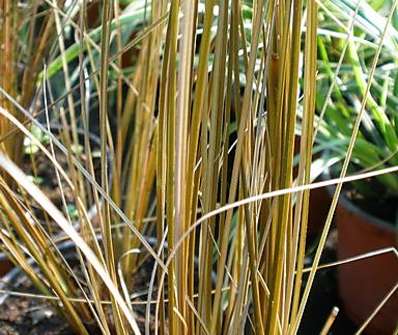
27, 316
21, 315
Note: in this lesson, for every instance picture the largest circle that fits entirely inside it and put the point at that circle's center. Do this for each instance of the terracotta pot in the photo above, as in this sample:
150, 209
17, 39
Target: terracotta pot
318, 210
319, 199
364, 284
5, 264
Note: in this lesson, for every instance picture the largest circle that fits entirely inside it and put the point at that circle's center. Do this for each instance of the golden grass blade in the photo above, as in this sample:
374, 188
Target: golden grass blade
181, 145
329, 321
304, 174
360, 257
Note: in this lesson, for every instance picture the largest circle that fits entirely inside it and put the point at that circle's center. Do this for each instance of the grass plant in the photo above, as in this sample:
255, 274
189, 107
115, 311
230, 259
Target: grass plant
197, 105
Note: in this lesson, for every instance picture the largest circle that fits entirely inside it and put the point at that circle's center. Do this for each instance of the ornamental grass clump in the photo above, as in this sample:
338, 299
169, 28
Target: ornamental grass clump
196, 105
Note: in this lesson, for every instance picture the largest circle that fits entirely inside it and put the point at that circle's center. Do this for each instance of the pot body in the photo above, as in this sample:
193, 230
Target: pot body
319, 199
318, 210
5, 265
364, 284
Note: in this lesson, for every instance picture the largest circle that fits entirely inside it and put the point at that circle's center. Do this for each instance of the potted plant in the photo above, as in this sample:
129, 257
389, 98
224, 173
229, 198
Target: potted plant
162, 81
167, 120
366, 215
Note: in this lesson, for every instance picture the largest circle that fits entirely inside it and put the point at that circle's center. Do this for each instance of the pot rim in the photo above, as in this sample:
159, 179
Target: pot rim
349, 205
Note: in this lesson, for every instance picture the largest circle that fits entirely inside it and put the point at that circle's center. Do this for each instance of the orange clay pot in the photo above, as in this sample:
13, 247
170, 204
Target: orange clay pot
364, 284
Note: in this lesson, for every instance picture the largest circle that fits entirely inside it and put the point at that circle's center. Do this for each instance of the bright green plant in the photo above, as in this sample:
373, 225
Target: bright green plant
344, 76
